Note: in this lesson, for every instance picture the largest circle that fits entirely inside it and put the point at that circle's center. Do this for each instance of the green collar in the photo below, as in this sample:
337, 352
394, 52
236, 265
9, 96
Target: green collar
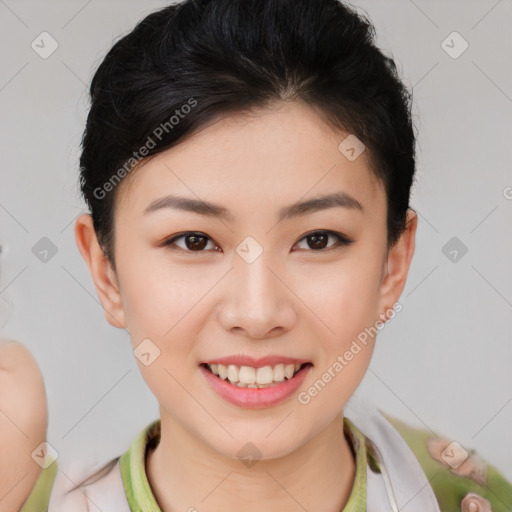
141, 498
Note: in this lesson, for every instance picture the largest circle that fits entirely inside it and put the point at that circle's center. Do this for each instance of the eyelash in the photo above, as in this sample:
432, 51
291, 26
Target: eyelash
342, 240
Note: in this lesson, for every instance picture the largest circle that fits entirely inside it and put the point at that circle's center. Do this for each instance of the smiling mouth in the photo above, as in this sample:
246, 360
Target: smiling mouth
249, 377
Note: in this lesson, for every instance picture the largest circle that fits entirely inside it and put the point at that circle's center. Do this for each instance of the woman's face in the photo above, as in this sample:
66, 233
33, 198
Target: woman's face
254, 282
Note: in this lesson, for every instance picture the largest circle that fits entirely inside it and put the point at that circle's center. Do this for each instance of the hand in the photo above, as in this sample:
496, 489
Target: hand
23, 423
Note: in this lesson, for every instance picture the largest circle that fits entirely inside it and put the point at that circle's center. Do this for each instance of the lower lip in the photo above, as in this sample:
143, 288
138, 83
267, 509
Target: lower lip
255, 398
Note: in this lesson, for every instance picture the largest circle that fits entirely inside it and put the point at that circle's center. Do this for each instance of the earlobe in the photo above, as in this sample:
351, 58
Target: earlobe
397, 264
103, 276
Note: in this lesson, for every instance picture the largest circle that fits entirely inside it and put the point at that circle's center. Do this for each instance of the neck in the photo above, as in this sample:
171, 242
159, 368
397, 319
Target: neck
185, 472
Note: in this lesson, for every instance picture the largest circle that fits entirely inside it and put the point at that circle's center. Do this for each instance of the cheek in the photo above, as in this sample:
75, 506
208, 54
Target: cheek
347, 307
156, 297
163, 310
344, 296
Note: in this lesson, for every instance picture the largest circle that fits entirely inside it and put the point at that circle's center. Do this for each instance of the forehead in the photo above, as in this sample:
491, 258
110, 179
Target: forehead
276, 155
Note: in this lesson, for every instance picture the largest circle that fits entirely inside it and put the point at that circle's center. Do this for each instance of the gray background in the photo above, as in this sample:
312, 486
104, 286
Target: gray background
443, 362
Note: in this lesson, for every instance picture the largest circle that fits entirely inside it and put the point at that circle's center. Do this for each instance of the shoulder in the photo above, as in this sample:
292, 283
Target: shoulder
82, 486
23, 423
87, 487
461, 480
39, 497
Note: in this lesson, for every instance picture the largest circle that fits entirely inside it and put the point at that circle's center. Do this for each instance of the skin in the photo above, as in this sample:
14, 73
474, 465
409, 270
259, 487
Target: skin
292, 300
23, 423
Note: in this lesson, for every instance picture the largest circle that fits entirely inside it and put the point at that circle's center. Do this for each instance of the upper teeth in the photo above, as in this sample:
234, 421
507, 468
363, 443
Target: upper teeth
250, 375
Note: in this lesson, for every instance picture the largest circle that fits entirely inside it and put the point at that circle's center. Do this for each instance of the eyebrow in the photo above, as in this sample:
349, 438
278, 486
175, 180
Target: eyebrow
338, 199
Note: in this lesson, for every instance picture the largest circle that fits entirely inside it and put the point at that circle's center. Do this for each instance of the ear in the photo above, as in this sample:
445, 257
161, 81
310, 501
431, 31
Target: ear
397, 265
103, 276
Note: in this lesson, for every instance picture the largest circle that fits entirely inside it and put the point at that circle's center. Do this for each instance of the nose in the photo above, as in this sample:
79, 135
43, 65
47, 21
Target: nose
258, 301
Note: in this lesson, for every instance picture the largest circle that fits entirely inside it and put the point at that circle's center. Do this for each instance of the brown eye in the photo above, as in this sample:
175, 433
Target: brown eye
318, 240
194, 242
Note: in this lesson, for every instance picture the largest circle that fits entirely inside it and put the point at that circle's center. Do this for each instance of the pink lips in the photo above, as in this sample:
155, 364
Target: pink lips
255, 398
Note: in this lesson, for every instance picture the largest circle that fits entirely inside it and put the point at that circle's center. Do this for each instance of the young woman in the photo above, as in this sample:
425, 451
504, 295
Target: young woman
248, 166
